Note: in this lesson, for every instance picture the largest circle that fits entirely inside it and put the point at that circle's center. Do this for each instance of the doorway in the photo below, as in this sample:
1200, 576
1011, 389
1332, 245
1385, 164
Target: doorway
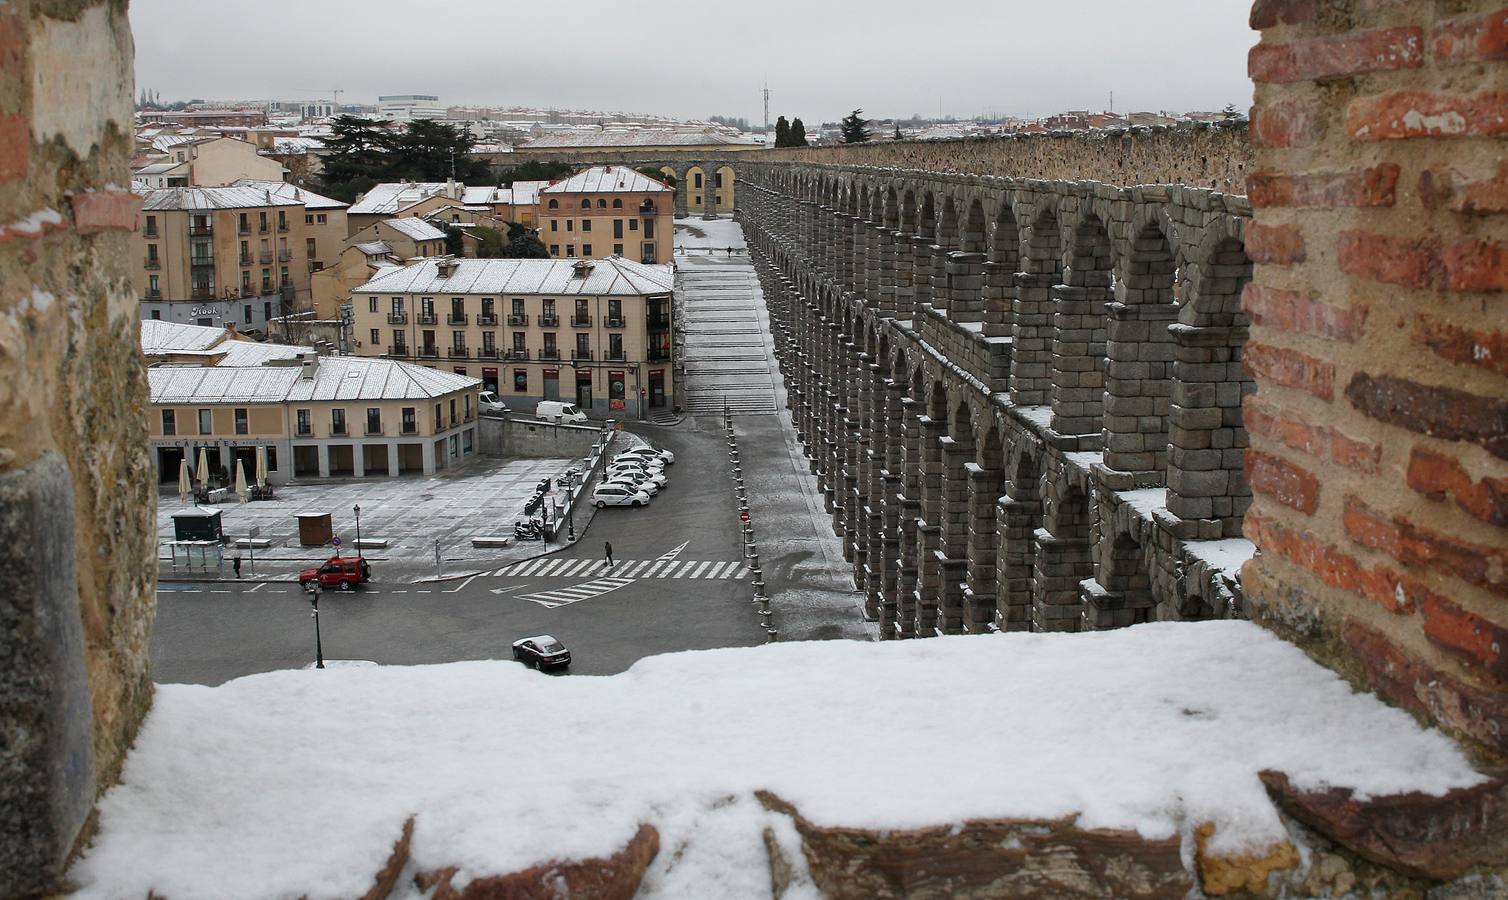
656, 388
584, 391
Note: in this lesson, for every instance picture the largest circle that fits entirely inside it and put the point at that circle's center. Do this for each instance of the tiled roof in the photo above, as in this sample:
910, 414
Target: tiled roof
602, 179
305, 196
612, 276
395, 196
158, 337
335, 378
415, 228
644, 137
199, 198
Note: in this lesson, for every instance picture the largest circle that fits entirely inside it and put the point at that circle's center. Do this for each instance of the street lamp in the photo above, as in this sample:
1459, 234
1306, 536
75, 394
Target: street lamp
357, 510
319, 647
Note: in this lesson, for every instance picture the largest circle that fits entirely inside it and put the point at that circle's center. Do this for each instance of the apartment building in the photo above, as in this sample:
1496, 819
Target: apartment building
595, 332
608, 211
407, 236
391, 200
407, 107
312, 417
216, 255
325, 227
206, 161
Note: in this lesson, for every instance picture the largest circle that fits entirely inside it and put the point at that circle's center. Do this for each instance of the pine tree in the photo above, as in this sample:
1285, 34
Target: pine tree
853, 130
897, 135
797, 137
782, 132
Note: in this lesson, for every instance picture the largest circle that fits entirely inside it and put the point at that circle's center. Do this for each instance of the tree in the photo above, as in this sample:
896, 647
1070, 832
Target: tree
853, 128
897, 136
657, 175
782, 132
524, 243
455, 243
1230, 111
429, 150
358, 150
490, 242
798, 134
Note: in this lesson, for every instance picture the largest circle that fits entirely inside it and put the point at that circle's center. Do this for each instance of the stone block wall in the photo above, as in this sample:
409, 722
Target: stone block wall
1379, 345
77, 491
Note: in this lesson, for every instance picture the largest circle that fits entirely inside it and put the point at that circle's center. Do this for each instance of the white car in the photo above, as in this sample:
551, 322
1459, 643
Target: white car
634, 482
637, 473
489, 402
648, 462
647, 452
610, 494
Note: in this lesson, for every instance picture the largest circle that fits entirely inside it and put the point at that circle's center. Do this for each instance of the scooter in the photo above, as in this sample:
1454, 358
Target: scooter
532, 530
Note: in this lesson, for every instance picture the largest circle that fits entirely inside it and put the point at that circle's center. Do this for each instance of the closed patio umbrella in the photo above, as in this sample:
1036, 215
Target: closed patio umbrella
241, 490
203, 473
185, 484
262, 466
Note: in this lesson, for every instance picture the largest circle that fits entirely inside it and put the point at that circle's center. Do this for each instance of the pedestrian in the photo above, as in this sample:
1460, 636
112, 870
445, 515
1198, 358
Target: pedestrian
730, 251
607, 548
235, 563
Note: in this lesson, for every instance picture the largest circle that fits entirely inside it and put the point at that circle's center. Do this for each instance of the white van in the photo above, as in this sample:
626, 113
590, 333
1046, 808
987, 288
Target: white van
490, 403
558, 412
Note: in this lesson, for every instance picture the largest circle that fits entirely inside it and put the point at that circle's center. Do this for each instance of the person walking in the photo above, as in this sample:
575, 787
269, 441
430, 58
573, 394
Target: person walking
235, 563
607, 548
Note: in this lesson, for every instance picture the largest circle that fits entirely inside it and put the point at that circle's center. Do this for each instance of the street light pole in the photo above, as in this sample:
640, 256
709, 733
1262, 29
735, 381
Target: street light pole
319, 647
357, 509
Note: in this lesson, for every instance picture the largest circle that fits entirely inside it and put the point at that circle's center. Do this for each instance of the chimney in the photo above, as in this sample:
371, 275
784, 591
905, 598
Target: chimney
308, 366
581, 268
445, 266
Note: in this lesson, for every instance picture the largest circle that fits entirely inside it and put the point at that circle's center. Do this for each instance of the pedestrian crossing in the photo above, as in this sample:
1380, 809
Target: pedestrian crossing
626, 569
576, 593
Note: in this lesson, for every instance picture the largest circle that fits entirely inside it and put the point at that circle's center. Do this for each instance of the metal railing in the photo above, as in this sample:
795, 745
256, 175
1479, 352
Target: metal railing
487, 353
201, 260
549, 320
548, 353
616, 356
432, 352
614, 322
153, 262
581, 321
456, 318
516, 353
579, 353
486, 319
427, 318
201, 230
518, 318
397, 318
397, 350
248, 260
458, 353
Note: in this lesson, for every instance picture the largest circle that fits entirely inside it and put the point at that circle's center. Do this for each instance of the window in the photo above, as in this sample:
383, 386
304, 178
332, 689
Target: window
266, 281
617, 203
153, 285
570, 224
649, 254
618, 249
555, 204
467, 407
601, 204
400, 340
321, 218
242, 422
554, 249
614, 345
246, 313
518, 306
458, 341
282, 220
583, 309
169, 422
337, 421
583, 346
570, 251
696, 180
586, 224
309, 219
152, 253
521, 380
156, 313
262, 221
615, 310
487, 309
717, 179
309, 248
633, 224
518, 341
246, 283
585, 203
489, 342
457, 307
617, 228
371, 304
586, 249
244, 226
305, 423
439, 422
206, 422
554, 224
410, 420
374, 420
266, 310
453, 409
427, 306
376, 336
397, 305
151, 226
649, 229
283, 276
718, 199
550, 347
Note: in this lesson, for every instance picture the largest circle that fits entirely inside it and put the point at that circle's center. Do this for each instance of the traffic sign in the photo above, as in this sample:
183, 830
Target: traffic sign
335, 541
743, 516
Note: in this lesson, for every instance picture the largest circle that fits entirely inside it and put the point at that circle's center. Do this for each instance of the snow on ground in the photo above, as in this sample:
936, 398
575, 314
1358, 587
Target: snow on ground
1228, 554
720, 234
296, 782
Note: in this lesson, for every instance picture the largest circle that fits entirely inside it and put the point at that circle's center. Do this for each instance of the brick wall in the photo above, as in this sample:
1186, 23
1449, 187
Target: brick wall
77, 493
1379, 344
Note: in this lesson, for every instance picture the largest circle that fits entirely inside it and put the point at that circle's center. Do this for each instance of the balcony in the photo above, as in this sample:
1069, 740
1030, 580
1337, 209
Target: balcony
338, 429
581, 353
153, 295
649, 211
397, 318
151, 234
409, 428
518, 318
615, 356
374, 432
427, 318
153, 262
458, 353
658, 322
304, 430
550, 353
262, 228
248, 291
285, 255
201, 230
487, 353
202, 261
486, 319
614, 322
549, 320
431, 352
517, 353
657, 355
265, 257
244, 228
202, 293
283, 227
581, 321
456, 318
397, 350
247, 260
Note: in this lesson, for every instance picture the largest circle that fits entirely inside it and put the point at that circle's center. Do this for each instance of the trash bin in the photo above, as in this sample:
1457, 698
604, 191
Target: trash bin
314, 529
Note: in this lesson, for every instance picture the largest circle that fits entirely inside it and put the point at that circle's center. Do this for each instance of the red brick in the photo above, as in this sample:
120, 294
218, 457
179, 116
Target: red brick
15, 146
1476, 564
1289, 123
1290, 369
1476, 266
1283, 481
1441, 412
1356, 188
1485, 197
1481, 644
1380, 584
95, 211
1274, 245
1415, 114
1319, 441
1438, 476
1295, 311
1488, 349
1269, 13
1471, 38
12, 39
1381, 257
1352, 53
1467, 709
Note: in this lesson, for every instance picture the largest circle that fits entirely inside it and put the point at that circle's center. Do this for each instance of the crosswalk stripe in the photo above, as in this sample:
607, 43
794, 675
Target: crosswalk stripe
671, 567
529, 567
743, 572
574, 566
697, 572
718, 570
652, 569
549, 566
638, 567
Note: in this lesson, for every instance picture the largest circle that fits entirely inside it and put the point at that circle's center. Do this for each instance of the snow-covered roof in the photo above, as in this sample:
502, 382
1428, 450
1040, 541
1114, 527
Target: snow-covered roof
606, 277
159, 168
390, 197
415, 228
486, 196
253, 353
644, 137
292, 145
602, 179
352, 378
227, 197
307, 197
526, 193
374, 248
158, 336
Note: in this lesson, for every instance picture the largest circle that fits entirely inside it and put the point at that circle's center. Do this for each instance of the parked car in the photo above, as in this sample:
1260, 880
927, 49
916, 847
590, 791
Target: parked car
635, 472
558, 412
611, 494
634, 482
490, 403
652, 452
542, 652
343, 573
648, 462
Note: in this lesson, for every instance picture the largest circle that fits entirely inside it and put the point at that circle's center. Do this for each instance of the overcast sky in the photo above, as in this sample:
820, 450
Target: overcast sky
822, 58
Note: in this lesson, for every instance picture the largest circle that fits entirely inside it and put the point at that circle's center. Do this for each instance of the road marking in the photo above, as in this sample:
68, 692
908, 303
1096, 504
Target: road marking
421, 592
718, 570
258, 587
577, 593
549, 566
676, 552
219, 592
637, 568
697, 572
707, 569
574, 566
401, 592
461, 585
742, 573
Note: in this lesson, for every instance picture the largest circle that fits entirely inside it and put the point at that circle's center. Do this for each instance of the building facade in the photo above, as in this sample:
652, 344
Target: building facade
596, 333
406, 107
608, 211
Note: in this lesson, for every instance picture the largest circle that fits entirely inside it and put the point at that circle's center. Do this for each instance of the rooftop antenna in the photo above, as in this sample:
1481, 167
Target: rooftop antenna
1112, 102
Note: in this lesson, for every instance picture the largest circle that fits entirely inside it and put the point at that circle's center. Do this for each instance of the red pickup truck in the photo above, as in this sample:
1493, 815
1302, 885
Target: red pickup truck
339, 572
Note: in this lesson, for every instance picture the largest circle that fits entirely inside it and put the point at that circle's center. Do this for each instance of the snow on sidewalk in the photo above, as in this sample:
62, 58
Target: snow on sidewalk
297, 782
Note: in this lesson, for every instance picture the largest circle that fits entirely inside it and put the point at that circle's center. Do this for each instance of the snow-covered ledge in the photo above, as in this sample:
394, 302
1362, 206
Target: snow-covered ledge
298, 783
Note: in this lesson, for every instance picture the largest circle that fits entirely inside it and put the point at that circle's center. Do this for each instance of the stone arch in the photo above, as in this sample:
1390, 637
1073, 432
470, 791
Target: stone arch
724, 179
1064, 557
1122, 594
1206, 482
1019, 516
971, 230
921, 252
1139, 368
1078, 343
1042, 269
986, 482
1000, 268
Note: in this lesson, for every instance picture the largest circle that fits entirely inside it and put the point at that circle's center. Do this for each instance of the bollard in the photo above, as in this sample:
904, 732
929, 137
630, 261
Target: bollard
770, 635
